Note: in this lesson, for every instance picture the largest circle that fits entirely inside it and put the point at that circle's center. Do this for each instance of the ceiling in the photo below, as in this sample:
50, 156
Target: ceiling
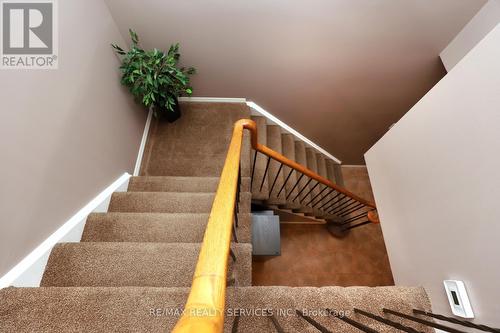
339, 71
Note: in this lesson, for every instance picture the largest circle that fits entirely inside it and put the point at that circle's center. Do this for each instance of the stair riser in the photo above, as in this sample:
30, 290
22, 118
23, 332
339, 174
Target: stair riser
260, 192
180, 184
275, 175
288, 143
133, 264
155, 227
162, 202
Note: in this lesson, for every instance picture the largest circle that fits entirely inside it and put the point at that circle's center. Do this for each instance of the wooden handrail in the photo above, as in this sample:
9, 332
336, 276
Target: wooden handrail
373, 216
204, 310
300, 168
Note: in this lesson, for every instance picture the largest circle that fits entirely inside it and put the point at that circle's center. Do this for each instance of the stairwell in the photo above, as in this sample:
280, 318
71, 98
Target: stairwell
132, 270
280, 189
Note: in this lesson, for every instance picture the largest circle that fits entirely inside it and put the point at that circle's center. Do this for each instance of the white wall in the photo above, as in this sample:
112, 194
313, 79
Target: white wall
480, 25
436, 180
65, 134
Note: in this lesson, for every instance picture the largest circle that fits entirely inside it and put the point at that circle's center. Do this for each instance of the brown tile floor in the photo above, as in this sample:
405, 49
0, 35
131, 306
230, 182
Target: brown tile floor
311, 256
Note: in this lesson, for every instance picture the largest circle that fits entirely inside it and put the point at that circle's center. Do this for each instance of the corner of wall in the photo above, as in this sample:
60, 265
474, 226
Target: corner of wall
478, 27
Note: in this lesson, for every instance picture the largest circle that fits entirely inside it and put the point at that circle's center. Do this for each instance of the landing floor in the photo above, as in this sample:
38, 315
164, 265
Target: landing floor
310, 256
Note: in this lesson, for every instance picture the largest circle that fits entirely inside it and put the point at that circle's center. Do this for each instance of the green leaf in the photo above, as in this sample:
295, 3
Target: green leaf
118, 49
153, 77
133, 36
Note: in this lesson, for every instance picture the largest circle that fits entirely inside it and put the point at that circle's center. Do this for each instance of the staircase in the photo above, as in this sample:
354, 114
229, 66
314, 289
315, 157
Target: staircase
134, 266
280, 189
300, 184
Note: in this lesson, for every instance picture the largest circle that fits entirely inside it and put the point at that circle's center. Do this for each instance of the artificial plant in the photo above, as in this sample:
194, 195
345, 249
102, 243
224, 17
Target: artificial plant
153, 76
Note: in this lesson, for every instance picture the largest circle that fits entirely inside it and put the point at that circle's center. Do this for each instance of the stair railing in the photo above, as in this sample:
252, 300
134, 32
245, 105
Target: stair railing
333, 202
204, 309
384, 324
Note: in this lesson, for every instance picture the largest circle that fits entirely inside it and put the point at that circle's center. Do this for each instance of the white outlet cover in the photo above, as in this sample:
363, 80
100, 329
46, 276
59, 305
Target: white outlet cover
458, 298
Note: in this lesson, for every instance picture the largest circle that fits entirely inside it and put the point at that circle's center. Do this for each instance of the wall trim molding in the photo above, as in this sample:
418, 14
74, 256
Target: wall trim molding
212, 99
142, 146
261, 112
273, 119
28, 272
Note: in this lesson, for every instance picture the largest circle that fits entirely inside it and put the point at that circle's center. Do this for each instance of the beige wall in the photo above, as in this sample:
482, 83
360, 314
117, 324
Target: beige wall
436, 181
339, 71
482, 23
65, 134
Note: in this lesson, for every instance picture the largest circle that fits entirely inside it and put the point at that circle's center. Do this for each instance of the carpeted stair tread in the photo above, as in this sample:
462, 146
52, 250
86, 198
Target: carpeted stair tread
274, 174
336, 169
120, 264
330, 175
301, 158
155, 227
173, 184
196, 144
288, 299
139, 309
321, 164
89, 309
312, 189
169, 202
260, 162
312, 164
179, 184
290, 190
330, 171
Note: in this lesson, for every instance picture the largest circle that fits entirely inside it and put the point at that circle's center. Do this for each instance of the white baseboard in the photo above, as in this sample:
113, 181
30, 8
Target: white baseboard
144, 140
271, 119
274, 120
29, 271
212, 100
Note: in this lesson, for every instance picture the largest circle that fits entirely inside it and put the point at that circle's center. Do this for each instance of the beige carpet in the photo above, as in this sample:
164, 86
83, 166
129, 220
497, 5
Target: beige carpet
196, 144
110, 264
133, 267
155, 227
139, 309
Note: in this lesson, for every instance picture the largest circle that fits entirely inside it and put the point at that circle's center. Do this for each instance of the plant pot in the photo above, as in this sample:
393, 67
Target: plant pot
170, 116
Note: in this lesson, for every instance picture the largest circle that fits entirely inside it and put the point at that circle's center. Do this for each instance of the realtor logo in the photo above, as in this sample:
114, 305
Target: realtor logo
29, 34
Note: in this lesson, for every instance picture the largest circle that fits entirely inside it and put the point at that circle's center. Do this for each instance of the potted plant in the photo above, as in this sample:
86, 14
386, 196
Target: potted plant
154, 77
